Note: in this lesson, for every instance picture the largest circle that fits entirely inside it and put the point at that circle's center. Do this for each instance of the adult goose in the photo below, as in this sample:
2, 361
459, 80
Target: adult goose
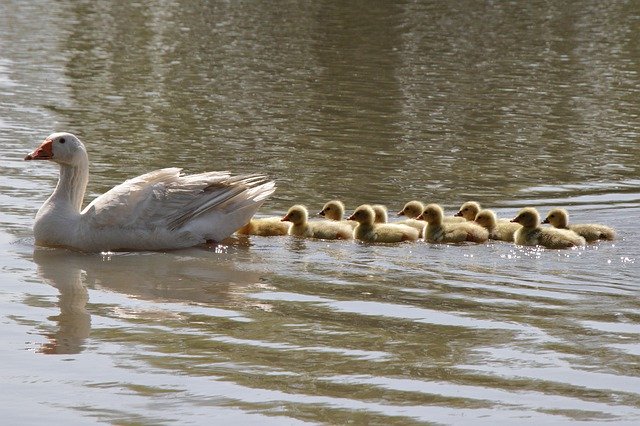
160, 210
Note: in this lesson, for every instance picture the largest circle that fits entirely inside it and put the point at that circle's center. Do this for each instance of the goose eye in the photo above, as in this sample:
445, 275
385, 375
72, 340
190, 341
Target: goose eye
61, 140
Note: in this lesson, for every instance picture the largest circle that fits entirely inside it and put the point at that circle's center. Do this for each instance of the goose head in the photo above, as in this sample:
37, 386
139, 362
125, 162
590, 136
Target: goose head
333, 210
486, 218
433, 213
297, 215
363, 214
380, 213
559, 218
527, 217
412, 209
469, 210
62, 148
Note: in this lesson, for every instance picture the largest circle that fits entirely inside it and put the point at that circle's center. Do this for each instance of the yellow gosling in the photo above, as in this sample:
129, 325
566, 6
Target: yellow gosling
591, 232
265, 227
371, 232
532, 234
469, 211
327, 230
439, 232
414, 208
498, 230
334, 210
382, 217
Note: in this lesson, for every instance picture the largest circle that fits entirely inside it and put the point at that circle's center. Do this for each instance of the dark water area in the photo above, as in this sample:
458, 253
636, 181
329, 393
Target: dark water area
510, 104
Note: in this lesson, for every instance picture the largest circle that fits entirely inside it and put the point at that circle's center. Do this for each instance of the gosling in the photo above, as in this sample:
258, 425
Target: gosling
469, 210
371, 232
498, 230
334, 210
439, 232
414, 208
591, 232
325, 229
265, 227
531, 234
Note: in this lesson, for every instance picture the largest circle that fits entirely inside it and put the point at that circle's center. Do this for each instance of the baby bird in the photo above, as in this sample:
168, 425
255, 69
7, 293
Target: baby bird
265, 227
414, 208
382, 217
498, 230
469, 211
334, 210
371, 232
531, 234
591, 232
326, 229
439, 232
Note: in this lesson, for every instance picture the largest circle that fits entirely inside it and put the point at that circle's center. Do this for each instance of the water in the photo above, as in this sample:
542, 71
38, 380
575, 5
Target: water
510, 104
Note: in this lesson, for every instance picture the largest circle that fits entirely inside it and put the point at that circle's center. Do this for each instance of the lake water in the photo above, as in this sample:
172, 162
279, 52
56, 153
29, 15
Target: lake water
508, 103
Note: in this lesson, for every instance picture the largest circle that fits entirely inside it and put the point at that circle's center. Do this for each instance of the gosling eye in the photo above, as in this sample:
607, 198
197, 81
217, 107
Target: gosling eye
62, 140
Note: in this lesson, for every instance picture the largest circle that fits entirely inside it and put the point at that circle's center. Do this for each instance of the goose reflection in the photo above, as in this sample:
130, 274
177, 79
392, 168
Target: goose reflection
194, 277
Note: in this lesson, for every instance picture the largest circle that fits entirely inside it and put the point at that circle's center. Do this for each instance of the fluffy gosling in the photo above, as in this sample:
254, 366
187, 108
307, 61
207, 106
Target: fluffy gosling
532, 234
439, 232
334, 210
371, 232
498, 230
414, 208
265, 227
326, 229
591, 232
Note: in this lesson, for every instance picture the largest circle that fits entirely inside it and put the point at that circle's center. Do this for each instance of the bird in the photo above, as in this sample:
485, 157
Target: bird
439, 232
469, 211
334, 210
381, 216
371, 232
413, 209
498, 230
532, 234
265, 227
591, 232
298, 215
160, 210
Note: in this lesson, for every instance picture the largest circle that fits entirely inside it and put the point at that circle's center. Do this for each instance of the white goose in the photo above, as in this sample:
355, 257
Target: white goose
159, 210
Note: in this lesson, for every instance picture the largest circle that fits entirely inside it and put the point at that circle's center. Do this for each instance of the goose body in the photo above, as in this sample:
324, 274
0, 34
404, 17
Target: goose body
371, 232
324, 229
532, 234
437, 231
265, 227
381, 216
559, 218
159, 210
498, 230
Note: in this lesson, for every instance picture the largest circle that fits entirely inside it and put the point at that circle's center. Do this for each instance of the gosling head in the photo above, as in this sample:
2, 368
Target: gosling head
527, 217
380, 212
363, 214
469, 210
559, 218
333, 210
297, 215
486, 218
412, 209
433, 213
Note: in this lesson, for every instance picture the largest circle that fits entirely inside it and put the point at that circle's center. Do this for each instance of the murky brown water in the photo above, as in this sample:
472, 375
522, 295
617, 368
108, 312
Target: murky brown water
511, 104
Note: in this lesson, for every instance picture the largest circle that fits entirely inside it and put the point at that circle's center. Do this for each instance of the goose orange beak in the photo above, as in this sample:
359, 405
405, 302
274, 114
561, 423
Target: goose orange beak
400, 213
285, 219
43, 152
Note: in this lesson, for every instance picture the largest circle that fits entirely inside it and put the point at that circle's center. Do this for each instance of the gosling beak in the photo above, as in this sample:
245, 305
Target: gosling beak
400, 213
351, 217
285, 219
459, 214
43, 152
421, 217
514, 220
321, 213
546, 220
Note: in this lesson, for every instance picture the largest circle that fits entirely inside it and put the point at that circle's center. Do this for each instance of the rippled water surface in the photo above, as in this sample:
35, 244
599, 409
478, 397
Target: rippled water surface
511, 104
